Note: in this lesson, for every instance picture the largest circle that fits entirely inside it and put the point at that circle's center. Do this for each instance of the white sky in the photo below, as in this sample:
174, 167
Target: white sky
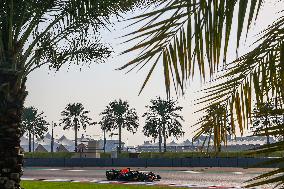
96, 86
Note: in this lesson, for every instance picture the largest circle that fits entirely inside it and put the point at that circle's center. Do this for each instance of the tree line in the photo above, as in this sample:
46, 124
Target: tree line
163, 120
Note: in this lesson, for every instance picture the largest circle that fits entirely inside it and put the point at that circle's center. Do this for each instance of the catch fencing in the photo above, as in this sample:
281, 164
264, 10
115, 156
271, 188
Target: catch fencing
151, 162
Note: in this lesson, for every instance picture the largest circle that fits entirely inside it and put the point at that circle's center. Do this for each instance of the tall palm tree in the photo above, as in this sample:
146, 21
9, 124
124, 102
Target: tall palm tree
119, 115
75, 116
215, 122
33, 124
185, 34
36, 33
163, 119
262, 118
102, 124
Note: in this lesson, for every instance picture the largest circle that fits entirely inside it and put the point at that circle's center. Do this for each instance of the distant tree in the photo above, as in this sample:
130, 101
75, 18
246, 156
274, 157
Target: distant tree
75, 116
118, 115
33, 124
162, 118
263, 119
102, 124
215, 122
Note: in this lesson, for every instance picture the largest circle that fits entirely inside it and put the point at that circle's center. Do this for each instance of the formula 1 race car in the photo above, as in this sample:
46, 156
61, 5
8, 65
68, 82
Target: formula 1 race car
131, 175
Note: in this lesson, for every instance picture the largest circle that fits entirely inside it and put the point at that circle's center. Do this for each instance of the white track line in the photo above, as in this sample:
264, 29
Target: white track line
107, 182
57, 180
94, 181
238, 173
135, 183
28, 179
192, 172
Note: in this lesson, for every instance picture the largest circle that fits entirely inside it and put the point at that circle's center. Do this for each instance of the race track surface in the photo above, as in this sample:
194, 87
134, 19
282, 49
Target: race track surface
185, 176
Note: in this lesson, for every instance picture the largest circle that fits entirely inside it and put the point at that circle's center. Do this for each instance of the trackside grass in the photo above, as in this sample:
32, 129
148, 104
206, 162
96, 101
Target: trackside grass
66, 185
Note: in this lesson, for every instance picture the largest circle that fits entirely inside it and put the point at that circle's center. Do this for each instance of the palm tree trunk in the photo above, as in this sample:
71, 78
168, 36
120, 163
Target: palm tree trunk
104, 141
30, 142
219, 148
33, 140
160, 139
119, 138
12, 96
266, 130
283, 131
165, 139
267, 135
52, 139
76, 135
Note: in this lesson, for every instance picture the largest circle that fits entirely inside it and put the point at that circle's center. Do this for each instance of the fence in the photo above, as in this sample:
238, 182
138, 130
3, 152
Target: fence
150, 162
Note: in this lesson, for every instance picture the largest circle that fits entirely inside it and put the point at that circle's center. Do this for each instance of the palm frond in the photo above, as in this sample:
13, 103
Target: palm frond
272, 177
196, 33
34, 33
257, 74
189, 34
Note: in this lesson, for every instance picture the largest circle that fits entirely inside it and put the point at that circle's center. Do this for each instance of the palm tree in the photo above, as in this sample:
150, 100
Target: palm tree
185, 34
34, 124
215, 122
261, 118
75, 116
119, 115
36, 33
162, 118
101, 123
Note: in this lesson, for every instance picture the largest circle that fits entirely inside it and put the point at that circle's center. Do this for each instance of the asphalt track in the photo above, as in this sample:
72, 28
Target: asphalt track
192, 177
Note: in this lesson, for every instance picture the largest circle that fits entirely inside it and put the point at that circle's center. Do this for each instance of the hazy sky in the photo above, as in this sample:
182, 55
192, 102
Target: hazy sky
96, 86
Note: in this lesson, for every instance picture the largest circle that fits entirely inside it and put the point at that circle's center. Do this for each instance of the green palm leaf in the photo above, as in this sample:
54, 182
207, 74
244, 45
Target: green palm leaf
187, 32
